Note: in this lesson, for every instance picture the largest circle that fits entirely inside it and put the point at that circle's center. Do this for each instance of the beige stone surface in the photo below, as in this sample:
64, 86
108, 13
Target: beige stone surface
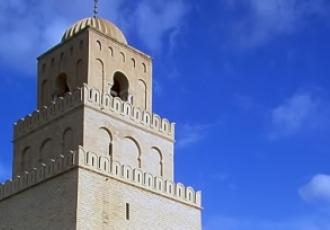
59, 135
93, 57
50, 205
130, 145
95, 98
102, 205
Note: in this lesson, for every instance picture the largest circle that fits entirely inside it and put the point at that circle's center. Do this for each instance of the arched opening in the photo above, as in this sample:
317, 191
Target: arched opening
104, 142
153, 162
26, 157
62, 85
99, 45
143, 93
120, 86
45, 149
144, 67
98, 81
111, 51
129, 152
123, 57
68, 141
133, 62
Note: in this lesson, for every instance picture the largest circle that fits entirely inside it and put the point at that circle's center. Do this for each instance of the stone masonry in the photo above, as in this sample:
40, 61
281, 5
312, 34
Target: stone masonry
93, 155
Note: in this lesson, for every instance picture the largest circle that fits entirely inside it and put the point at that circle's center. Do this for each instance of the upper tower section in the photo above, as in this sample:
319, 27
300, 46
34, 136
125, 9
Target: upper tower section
95, 51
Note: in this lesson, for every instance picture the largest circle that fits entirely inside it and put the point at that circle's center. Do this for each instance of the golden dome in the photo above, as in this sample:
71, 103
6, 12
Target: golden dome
104, 26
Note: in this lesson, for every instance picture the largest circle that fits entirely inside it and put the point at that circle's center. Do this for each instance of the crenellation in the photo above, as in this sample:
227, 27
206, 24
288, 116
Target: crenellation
139, 178
116, 106
199, 198
180, 191
7, 188
35, 176
159, 183
92, 96
47, 113
169, 187
95, 97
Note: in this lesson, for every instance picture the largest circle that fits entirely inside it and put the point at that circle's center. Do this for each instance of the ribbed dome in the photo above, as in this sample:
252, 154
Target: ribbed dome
104, 26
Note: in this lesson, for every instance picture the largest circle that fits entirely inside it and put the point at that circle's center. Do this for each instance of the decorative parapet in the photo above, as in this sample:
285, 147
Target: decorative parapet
104, 166
104, 102
43, 115
139, 178
37, 175
115, 106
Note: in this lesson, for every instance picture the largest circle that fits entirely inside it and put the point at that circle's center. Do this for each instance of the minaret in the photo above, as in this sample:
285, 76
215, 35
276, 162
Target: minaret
94, 55
93, 155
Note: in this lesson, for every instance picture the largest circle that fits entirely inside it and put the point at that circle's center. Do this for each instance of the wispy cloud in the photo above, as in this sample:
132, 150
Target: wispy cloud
264, 20
31, 27
317, 189
157, 20
189, 134
300, 112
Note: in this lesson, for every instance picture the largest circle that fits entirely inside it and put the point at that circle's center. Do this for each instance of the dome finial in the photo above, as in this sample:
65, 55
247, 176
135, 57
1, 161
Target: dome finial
96, 8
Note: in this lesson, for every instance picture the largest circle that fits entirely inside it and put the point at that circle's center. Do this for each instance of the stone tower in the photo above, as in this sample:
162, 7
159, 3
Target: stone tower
94, 155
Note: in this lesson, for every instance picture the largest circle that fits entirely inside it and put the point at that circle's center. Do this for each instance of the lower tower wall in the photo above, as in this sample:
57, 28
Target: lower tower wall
86, 191
107, 203
49, 205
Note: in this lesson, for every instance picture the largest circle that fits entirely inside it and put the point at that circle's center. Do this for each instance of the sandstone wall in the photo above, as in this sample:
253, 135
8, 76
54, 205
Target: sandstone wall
102, 205
50, 205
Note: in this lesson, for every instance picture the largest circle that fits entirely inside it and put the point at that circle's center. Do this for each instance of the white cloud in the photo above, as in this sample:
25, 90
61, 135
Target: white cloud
317, 189
266, 19
31, 27
299, 112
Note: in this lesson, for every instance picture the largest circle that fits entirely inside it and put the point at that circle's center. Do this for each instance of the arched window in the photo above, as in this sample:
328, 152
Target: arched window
144, 67
143, 93
111, 51
62, 85
104, 142
120, 86
68, 141
26, 158
45, 149
129, 152
153, 161
99, 79
99, 45
133, 62
123, 57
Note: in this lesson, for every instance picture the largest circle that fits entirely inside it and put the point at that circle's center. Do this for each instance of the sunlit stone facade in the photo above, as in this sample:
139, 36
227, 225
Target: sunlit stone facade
93, 155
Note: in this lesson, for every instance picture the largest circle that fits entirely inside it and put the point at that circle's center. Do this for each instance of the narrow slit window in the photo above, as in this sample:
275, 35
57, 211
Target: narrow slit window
127, 211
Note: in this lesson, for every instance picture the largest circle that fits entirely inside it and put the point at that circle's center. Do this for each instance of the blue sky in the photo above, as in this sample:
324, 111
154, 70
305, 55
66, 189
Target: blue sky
247, 82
